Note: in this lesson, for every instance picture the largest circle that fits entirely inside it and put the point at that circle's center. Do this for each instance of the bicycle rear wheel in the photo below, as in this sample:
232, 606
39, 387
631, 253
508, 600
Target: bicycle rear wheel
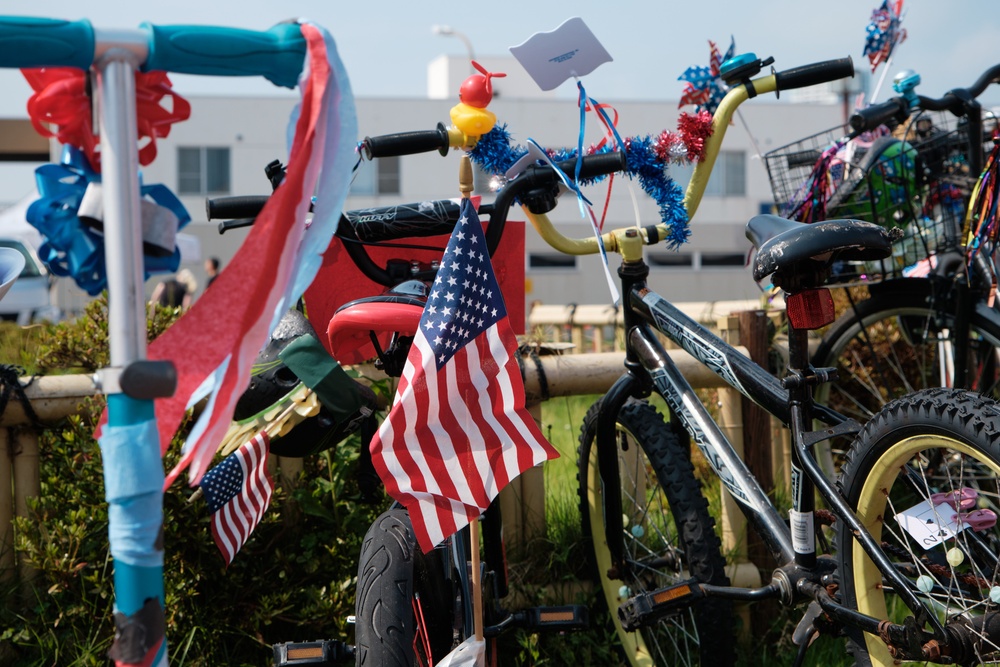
404, 607
900, 340
668, 536
938, 441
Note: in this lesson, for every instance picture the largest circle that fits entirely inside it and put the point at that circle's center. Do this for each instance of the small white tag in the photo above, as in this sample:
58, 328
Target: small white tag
803, 534
571, 50
534, 154
930, 525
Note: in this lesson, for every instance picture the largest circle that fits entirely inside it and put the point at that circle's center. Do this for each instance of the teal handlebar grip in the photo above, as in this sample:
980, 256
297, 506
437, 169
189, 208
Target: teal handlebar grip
37, 42
277, 54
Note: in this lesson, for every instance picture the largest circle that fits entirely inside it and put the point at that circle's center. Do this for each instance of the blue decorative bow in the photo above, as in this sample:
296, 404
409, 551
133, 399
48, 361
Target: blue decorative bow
72, 248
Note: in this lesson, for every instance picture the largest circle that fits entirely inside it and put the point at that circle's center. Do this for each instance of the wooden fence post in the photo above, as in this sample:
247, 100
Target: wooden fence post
7, 561
750, 330
27, 482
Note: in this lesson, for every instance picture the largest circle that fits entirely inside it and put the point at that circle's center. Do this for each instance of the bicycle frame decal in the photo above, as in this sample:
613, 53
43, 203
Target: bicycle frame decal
705, 432
687, 337
688, 408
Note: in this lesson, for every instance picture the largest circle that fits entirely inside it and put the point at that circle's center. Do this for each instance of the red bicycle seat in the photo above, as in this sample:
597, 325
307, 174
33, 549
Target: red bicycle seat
351, 326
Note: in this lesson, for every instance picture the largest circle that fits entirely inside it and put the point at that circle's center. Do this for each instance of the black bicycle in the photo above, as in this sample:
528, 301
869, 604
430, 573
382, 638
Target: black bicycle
411, 608
921, 317
915, 575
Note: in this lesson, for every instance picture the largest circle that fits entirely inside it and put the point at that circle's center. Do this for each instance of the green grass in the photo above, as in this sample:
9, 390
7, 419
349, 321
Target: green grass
561, 420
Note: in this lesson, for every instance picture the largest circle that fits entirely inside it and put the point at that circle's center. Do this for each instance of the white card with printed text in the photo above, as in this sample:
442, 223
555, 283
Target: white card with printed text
569, 51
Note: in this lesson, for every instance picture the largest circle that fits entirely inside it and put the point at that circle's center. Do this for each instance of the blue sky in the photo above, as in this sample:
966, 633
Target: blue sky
386, 44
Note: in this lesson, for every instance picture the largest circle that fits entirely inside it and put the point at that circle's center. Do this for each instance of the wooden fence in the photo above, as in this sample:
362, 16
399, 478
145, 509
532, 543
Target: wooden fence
555, 370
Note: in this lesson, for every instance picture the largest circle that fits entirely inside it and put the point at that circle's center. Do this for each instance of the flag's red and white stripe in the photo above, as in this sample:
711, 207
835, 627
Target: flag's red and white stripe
458, 431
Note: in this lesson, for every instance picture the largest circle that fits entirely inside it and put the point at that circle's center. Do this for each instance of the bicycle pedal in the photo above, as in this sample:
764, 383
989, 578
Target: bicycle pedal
323, 652
645, 608
559, 619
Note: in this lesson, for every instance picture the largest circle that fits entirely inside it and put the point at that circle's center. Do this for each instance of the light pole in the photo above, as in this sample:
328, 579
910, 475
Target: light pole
448, 31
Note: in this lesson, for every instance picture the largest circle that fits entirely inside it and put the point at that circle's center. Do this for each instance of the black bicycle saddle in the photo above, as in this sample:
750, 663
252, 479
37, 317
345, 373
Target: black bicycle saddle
783, 245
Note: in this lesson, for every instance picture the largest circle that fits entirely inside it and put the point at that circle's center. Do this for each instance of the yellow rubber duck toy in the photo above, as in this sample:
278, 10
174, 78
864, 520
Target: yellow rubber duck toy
470, 114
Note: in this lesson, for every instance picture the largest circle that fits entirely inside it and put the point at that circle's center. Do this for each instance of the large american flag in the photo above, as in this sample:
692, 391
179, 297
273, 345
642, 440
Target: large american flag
458, 430
238, 492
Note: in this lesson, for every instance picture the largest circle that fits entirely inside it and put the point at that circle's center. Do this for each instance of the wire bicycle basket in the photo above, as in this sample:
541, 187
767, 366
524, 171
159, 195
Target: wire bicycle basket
915, 177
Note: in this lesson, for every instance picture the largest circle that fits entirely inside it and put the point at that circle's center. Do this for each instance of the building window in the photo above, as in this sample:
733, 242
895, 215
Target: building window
551, 261
202, 170
671, 260
377, 177
717, 259
728, 179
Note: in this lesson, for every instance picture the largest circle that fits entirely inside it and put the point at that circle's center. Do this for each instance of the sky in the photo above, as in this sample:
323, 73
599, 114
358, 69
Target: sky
386, 44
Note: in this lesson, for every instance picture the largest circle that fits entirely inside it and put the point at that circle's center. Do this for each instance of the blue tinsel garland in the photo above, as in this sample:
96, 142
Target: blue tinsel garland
495, 155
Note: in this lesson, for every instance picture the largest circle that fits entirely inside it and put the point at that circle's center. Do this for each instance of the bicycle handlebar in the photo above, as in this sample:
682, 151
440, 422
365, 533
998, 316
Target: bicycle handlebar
277, 54
407, 143
628, 241
418, 220
814, 74
958, 101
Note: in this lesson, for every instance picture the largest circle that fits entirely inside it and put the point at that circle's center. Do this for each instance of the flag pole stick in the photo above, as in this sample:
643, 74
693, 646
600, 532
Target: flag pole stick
465, 186
477, 589
881, 80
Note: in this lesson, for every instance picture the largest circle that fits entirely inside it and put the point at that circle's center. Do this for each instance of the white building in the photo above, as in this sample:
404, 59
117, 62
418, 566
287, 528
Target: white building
223, 148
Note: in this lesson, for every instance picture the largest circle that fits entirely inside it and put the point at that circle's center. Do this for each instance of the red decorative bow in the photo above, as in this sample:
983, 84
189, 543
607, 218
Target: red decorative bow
62, 100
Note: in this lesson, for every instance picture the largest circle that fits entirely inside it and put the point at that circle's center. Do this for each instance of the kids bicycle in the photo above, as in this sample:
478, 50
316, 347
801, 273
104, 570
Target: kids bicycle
922, 317
411, 607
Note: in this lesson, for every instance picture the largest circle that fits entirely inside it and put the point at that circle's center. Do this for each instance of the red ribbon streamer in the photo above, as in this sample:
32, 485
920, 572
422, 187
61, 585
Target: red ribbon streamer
62, 100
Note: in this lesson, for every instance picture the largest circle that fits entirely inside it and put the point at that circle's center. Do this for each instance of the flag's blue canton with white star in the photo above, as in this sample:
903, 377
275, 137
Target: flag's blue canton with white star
465, 299
222, 482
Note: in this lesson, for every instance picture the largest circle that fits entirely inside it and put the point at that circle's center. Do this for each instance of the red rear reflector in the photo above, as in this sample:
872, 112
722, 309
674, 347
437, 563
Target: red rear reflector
811, 309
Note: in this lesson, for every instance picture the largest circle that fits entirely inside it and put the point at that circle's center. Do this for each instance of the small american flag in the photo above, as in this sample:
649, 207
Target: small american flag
238, 492
458, 430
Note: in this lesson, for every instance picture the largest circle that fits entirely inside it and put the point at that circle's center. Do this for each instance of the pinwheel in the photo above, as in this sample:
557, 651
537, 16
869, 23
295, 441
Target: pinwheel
704, 87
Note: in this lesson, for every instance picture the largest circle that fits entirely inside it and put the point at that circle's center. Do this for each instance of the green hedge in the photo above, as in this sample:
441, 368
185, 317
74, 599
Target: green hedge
293, 580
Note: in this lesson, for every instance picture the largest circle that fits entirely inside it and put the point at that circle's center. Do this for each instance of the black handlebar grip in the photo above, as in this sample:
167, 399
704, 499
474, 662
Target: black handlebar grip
596, 165
816, 73
407, 143
235, 207
871, 117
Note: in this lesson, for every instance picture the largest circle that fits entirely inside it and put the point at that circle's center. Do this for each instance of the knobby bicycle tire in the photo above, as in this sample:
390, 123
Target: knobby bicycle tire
659, 494
402, 596
933, 441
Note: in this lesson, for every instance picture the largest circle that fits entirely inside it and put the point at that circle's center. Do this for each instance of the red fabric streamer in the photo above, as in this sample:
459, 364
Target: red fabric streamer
62, 100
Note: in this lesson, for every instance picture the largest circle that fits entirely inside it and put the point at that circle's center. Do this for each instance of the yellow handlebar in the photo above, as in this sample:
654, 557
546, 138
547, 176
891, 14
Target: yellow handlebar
631, 249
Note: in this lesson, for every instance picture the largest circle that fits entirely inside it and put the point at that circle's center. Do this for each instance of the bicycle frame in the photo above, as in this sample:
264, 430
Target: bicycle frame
649, 368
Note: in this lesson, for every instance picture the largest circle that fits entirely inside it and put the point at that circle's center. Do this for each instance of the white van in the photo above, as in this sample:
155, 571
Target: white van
30, 297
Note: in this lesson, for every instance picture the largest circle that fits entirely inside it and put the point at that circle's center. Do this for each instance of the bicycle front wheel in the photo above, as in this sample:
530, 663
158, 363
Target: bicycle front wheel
923, 477
668, 536
404, 607
903, 340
